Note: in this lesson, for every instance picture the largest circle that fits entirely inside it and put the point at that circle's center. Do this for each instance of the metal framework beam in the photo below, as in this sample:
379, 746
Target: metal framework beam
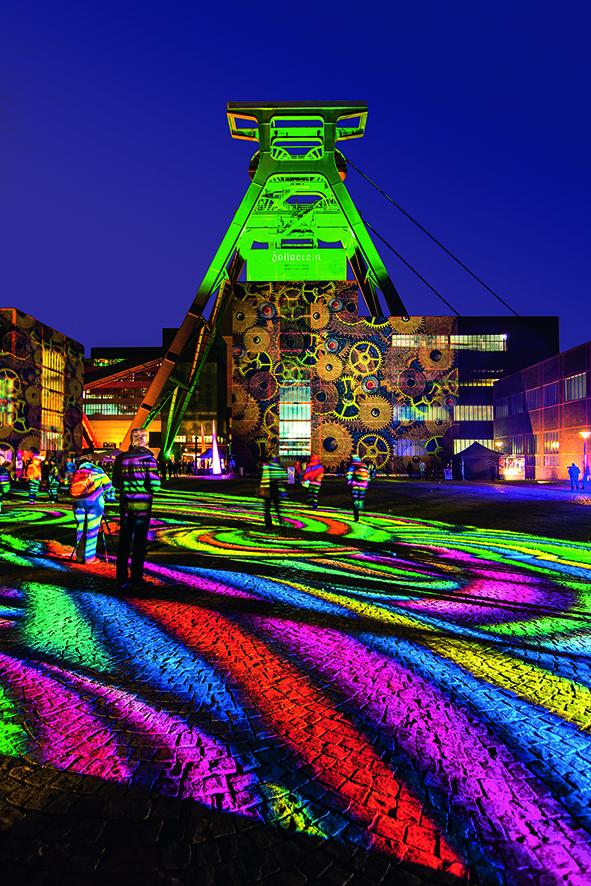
296, 196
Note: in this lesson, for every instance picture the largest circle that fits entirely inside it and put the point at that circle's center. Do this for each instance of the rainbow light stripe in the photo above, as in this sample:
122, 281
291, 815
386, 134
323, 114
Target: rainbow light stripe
412, 687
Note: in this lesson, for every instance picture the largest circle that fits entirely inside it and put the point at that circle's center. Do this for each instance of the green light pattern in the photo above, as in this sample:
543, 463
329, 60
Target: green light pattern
54, 626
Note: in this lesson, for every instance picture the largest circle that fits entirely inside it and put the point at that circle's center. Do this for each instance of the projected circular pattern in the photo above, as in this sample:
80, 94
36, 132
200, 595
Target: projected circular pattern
402, 669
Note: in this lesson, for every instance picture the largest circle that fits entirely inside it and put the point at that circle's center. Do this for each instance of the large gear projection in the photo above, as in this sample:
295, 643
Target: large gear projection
375, 449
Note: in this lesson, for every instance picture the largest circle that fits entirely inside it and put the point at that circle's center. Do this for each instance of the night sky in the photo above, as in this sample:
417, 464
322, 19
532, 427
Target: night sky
119, 177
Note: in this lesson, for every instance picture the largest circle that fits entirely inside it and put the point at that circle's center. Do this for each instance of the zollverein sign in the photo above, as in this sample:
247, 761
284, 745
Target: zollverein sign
296, 264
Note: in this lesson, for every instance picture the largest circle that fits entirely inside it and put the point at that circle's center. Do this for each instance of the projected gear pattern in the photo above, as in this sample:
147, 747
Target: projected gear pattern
23, 341
356, 376
365, 358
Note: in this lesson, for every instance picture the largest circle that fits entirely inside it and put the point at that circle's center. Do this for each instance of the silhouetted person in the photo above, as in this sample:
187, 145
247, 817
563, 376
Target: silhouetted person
135, 475
4, 480
312, 480
573, 473
357, 481
410, 470
53, 480
88, 487
272, 489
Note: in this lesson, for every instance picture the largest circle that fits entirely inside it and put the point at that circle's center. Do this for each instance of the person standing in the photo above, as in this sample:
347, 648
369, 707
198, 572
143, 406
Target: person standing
272, 489
312, 480
135, 475
357, 481
88, 487
4, 480
33, 474
573, 473
422, 470
53, 480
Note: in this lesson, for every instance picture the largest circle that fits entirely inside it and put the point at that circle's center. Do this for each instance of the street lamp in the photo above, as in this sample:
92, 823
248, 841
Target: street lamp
585, 435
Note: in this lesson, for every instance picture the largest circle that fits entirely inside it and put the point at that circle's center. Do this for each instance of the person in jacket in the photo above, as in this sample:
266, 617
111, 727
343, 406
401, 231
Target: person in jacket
357, 481
4, 480
312, 480
33, 475
573, 472
88, 487
135, 475
53, 480
272, 489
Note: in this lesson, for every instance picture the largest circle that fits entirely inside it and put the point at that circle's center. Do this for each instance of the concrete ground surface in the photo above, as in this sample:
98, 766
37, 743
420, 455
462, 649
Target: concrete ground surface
402, 700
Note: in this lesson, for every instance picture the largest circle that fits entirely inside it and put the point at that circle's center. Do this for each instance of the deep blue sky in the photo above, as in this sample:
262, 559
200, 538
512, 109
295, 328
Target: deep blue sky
118, 175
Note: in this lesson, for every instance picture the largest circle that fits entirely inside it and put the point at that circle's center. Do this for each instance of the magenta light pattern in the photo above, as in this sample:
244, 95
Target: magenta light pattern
419, 690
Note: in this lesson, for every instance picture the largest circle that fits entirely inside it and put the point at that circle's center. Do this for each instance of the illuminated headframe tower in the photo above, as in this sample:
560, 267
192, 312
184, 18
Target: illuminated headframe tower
296, 221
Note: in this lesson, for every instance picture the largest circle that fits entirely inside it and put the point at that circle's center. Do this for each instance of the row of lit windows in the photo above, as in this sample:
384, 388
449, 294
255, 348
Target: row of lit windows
53, 386
6, 401
574, 388
522, 444
460, 445
473, 342
99, 408
474, 412
551, 441
295, 419
417, 413
478, 383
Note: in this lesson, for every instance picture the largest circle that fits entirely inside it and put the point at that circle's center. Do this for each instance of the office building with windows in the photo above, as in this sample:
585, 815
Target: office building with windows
310, 374
115, 383
543, 414
41, 375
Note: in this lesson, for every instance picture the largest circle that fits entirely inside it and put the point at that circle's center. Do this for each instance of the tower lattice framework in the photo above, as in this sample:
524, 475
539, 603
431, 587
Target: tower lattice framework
296, 221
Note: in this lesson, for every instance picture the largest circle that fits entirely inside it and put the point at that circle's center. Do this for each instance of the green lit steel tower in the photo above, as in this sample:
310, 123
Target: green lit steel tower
296, 221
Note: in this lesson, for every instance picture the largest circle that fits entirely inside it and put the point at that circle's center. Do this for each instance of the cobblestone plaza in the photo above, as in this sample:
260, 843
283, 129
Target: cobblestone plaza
400, 700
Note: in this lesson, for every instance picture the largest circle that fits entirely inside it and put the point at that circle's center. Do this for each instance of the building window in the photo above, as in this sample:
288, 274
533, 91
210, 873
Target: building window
502, 408
520, 445
478, 383
406, 448
479, 342
53, 365
460, 445
295, 419
418, 413
516, 404
551, 394
7, 388
474, 342
532, 398
551, 441
575, 387
473, 412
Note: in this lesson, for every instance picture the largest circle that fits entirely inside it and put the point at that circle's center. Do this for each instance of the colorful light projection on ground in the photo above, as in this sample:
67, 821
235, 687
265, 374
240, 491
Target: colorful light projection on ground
410, 687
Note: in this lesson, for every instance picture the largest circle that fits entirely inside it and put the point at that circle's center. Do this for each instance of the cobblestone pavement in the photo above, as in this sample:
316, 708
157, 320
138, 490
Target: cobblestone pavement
393, 701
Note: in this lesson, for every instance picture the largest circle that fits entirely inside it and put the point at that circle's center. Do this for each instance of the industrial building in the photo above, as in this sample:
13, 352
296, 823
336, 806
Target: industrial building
543, 416
41, 376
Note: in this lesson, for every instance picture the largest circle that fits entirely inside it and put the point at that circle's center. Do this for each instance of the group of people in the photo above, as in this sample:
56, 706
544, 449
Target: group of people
273, 486
135, 475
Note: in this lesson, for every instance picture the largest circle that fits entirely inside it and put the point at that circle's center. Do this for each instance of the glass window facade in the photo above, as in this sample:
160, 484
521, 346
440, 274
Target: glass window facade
550, 394
7, 387
53, 365
474, 342
575, 387
418, 413
473, 412
406, 448
460, 445
533, 399
295, 419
